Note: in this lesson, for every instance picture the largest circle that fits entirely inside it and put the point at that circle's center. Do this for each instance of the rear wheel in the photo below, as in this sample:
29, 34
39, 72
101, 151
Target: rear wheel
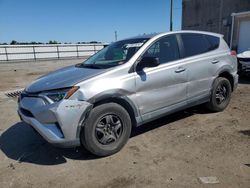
220, 96
106, 130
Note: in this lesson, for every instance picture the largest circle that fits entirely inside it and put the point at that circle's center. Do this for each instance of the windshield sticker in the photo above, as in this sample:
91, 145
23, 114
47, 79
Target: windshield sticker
134, 45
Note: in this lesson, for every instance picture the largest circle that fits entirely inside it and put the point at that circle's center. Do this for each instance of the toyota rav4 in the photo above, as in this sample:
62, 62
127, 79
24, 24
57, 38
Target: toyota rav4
130, 82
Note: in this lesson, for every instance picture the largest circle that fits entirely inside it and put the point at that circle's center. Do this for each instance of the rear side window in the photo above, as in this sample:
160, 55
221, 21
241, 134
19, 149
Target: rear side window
195, 44
214, 41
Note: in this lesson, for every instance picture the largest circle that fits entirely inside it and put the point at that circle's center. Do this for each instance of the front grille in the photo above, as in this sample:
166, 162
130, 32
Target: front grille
22, 95
26, 112
25, 94
59, 129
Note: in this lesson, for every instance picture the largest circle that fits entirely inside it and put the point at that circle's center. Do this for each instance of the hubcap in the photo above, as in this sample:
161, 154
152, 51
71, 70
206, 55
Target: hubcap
109, 129
221, 94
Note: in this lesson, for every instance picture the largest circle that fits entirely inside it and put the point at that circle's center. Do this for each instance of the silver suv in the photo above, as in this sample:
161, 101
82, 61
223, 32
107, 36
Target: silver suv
128, 83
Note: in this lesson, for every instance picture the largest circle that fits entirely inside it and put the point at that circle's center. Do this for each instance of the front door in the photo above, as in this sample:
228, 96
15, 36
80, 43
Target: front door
164, 87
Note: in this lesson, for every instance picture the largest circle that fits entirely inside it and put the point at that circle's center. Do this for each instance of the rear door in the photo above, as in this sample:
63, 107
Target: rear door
201, 60
162, 86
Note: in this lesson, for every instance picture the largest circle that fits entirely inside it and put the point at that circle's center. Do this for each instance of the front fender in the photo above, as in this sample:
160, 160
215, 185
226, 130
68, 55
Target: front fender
116, 94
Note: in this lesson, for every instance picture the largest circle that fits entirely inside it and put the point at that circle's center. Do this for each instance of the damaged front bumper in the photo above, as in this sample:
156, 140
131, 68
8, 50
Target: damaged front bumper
59, 123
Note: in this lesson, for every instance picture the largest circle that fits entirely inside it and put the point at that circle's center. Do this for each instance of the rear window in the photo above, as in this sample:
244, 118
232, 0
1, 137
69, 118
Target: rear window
195, 44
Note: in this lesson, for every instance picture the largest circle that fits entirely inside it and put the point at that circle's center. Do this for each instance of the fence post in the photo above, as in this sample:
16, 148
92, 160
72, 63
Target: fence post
57, 52
6, 53
77, 51
34, 52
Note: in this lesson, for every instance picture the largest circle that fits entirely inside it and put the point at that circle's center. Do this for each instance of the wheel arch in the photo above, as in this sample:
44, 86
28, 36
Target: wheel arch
119, 98
226, 74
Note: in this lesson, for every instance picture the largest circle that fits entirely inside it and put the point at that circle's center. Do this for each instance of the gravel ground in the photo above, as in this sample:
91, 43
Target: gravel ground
173, 151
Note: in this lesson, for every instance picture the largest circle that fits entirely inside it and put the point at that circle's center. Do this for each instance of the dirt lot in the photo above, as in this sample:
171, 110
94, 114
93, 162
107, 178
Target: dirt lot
18, 75
171, 152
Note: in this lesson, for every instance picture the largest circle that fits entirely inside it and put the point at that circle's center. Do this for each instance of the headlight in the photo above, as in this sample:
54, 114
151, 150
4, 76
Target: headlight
57, 95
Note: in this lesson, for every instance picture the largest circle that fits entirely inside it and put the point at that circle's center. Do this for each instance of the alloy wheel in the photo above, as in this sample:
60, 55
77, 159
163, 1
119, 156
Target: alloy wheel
108, 129
221, 93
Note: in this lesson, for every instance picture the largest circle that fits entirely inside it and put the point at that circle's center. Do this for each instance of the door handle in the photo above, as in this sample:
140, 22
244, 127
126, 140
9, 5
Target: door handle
215, 61
180, 69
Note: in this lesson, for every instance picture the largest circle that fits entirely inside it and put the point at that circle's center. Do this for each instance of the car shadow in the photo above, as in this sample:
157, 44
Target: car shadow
22, 143
166, 120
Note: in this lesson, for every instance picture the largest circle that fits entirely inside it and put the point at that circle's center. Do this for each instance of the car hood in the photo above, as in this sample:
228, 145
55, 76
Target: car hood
62, 78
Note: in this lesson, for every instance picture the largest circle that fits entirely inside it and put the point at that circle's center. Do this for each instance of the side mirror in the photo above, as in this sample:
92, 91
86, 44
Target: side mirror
147, 62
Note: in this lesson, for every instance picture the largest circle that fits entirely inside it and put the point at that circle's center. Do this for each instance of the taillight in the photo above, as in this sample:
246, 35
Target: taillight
233, 53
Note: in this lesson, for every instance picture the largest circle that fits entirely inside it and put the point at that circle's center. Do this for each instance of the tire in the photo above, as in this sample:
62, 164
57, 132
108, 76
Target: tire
106, 130
220, 95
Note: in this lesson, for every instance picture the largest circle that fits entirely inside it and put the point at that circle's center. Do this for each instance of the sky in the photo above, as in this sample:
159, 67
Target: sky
84, 20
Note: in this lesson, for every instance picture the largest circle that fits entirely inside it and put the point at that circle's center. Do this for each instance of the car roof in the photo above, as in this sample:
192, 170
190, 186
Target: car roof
149, 36
200, 32
143, 36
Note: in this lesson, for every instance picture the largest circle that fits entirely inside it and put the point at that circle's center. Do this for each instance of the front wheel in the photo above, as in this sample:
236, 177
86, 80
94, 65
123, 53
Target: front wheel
220, 95
106, 130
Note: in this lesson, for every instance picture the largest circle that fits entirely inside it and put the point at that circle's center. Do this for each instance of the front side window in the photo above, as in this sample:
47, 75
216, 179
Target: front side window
166, 49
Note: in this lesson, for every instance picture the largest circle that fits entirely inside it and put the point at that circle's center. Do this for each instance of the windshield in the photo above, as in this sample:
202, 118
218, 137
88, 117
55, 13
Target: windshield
115, 54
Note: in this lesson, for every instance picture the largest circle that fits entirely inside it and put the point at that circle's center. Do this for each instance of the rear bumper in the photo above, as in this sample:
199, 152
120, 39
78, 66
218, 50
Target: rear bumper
57, 123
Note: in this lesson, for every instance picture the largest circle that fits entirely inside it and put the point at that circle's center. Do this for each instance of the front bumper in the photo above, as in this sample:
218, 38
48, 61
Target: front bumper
58, 123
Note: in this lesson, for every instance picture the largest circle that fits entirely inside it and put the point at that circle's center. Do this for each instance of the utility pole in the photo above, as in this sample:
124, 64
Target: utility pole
115, 35
171, 15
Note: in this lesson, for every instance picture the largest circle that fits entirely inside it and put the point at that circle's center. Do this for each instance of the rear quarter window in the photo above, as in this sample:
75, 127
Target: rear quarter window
195, 44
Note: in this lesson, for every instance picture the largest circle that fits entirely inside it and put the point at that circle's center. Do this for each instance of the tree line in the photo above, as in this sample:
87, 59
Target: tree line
14, 42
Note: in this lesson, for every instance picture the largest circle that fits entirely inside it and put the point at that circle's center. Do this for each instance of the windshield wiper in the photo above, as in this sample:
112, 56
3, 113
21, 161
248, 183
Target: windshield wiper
92, 66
